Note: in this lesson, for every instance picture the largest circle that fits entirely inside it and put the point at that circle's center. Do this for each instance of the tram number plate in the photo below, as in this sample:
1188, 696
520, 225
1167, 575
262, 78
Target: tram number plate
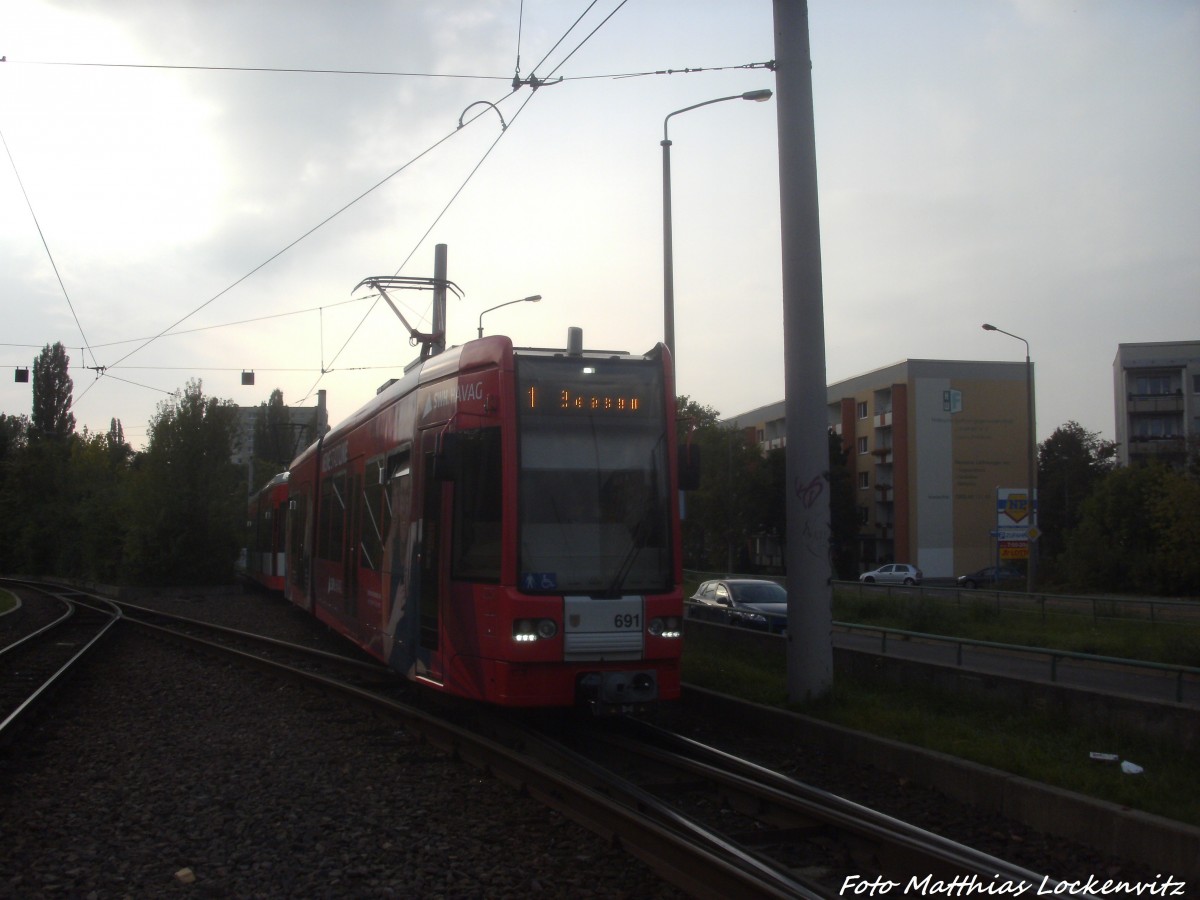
609, 614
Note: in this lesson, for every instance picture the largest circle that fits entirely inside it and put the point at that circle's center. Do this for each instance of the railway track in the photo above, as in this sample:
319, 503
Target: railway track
785, 836
703, 865
32, 665
263, 651
683, 851
705, 821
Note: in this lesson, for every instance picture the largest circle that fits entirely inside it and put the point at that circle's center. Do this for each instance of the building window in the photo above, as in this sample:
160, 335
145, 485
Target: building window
862, 445
864, 515
862, 409
1152, 385
1196, 384
864, 481
1149, 427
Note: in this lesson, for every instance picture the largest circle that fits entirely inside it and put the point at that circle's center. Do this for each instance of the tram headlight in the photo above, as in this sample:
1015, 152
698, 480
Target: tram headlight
526, 631
666, 626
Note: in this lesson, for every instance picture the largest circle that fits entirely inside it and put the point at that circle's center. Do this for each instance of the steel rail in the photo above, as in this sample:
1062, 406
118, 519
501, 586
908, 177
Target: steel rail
70, 611
59, 674
145, 613
684, 857
906, 845
579, 767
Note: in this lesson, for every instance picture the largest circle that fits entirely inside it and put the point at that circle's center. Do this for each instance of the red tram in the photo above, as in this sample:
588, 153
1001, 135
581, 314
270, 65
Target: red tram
503, 525
266, 519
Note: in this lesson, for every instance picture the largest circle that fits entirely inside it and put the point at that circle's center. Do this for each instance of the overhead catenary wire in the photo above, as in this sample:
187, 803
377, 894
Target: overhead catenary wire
586, 39
369, 73
516, 82
437, 219
268, 69
186, 331
471, 174
532, 80
38, 225
279, 253
171, 329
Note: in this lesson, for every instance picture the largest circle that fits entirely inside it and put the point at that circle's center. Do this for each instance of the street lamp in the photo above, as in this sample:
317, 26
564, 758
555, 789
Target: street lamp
534, 299
1031, 471
668, 255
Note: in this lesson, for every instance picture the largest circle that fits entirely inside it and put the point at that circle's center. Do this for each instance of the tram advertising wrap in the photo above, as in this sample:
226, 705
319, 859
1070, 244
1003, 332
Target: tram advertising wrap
502, 524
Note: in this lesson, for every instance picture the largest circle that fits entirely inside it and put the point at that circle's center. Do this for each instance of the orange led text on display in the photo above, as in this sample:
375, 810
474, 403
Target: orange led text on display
569, 400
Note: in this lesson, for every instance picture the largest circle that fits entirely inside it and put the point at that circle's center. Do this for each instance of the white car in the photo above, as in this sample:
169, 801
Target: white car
892, 573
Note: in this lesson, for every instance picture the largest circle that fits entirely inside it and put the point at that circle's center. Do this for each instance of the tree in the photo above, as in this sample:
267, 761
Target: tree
717, 516
1071, 462
35, 502
14, 442
14, 437
114, 441
727, 510
187, 504
1176, 521
1139, 531
96, 506
742, 499
52, 395
275, 439
692, 416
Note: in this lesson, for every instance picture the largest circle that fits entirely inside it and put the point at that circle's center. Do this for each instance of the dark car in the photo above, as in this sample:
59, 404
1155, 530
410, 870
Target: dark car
746, 602
989, 575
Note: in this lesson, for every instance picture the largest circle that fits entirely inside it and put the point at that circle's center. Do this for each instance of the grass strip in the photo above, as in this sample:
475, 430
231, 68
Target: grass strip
1022, 740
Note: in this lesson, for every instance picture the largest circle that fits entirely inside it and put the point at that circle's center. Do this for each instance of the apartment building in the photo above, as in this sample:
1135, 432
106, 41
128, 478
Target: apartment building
1156, 387
939, 451
305, 424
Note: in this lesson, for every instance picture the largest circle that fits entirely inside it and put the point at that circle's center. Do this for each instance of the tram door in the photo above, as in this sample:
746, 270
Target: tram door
429, 559
397, 524
300, 548
350, 550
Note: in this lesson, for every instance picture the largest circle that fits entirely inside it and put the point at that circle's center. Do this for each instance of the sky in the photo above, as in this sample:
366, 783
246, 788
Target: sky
174, 206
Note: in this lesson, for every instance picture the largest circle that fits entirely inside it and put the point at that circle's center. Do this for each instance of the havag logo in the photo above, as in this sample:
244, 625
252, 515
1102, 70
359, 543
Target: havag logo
446, 396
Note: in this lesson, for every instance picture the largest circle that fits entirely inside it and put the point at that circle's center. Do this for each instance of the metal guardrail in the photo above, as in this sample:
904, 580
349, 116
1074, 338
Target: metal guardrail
1153, 609
1054, 656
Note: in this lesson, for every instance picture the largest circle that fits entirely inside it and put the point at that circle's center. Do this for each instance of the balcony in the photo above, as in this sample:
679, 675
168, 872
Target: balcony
1163, 448
884, 419
1154, 403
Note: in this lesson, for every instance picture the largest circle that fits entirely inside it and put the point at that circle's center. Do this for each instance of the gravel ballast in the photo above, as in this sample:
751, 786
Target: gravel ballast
159, 771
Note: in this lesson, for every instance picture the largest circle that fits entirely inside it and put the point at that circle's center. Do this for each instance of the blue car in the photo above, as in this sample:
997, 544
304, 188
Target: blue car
989, 575
745, 602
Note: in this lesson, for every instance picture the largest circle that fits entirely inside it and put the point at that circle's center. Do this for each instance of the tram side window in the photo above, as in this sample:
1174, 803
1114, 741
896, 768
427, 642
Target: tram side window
397, 492
397, 507
333, 517
372, 528
477, 507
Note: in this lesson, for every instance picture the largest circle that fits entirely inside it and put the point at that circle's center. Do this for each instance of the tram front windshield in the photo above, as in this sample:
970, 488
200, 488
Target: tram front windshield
594, 503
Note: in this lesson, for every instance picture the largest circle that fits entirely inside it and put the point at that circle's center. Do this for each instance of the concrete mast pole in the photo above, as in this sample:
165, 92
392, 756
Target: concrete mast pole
810, 597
